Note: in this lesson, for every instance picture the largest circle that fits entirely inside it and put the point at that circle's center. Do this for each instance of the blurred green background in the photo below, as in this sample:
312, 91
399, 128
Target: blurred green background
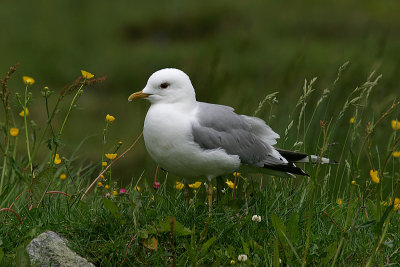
236, 52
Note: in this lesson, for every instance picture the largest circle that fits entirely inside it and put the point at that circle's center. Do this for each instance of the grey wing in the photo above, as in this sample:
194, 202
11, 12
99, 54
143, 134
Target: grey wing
220, 127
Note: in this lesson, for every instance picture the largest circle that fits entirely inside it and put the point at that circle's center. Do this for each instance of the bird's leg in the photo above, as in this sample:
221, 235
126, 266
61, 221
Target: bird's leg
209, 194
234, 185
186, 194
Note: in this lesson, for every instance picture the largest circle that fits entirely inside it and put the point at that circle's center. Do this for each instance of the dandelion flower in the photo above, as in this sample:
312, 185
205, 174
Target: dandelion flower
179, 185
242, 257
122, 191
353, 182
339, 201
100, 184
14, 131
396, 154
111, 156
114, 192
86, 75
107, 186
23, 113
374, 176
104, 163
395, 125
256, 218
28, 80
230, 183
195, 185
396, 204
137, 188
110, 118
57, 159
351, 120
63, 176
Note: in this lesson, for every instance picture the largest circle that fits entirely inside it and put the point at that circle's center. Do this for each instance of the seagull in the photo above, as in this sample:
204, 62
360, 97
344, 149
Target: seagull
197, 139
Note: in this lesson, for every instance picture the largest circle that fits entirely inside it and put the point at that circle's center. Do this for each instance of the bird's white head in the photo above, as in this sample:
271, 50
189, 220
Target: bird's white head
167, 86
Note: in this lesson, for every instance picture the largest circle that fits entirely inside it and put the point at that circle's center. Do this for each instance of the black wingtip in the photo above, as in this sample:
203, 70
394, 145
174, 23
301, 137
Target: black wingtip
289, 168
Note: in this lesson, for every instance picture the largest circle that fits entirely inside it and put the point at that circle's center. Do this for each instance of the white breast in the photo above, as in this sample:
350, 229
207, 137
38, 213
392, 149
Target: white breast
168, 137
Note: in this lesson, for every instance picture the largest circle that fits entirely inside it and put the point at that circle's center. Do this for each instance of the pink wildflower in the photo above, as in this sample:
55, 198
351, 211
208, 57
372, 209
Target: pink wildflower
107, 195
156, 185
122, 191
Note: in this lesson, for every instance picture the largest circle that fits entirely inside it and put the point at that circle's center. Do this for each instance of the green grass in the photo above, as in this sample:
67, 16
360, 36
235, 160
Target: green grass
303, 221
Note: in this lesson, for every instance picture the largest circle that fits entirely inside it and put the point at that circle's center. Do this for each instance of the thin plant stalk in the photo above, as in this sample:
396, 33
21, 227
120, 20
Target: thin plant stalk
26, 129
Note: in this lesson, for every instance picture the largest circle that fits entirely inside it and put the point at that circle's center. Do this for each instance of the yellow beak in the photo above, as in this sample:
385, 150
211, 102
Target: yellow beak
137, 95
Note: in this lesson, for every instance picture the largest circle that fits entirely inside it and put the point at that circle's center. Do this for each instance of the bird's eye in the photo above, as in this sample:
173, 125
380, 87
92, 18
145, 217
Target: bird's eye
164, 85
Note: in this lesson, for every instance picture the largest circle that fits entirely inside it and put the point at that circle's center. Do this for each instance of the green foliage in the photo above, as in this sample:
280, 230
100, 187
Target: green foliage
302, 221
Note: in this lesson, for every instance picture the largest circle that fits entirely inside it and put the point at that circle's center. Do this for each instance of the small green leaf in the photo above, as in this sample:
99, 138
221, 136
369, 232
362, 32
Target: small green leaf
293, 228
330, 252
207, 245
179, 230
367, 224
21, 257
111, 207
41, 184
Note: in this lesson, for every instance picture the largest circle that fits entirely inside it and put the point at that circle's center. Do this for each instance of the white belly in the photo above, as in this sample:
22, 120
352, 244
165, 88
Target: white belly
169, 141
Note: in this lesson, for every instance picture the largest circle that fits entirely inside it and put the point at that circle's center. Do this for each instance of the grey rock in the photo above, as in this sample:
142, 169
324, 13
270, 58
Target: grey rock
49, 249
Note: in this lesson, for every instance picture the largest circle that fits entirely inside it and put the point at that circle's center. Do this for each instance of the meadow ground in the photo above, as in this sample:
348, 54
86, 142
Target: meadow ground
344, 214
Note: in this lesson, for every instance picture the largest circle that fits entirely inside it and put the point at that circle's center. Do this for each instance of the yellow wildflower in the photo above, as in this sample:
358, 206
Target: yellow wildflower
57, 159
99, 184
115, 193
195, 185
353, 182
102, 176
230, 183
111, 156
152, 197
339, 201
236, 174
14, 131
179, 185
107, 186
110, 118
63, 176
396, 204
104, 163
22, 113
46, 88
137, 188
351, 120
28, 80
86, 75
396, 154
374, 176
395, 125
233, 262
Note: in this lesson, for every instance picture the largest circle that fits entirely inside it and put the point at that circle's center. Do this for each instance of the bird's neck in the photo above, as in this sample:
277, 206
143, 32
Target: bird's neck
183, 106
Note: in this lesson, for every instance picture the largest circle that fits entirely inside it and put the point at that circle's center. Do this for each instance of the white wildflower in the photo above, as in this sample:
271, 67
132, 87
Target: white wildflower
242, 257
256, 218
